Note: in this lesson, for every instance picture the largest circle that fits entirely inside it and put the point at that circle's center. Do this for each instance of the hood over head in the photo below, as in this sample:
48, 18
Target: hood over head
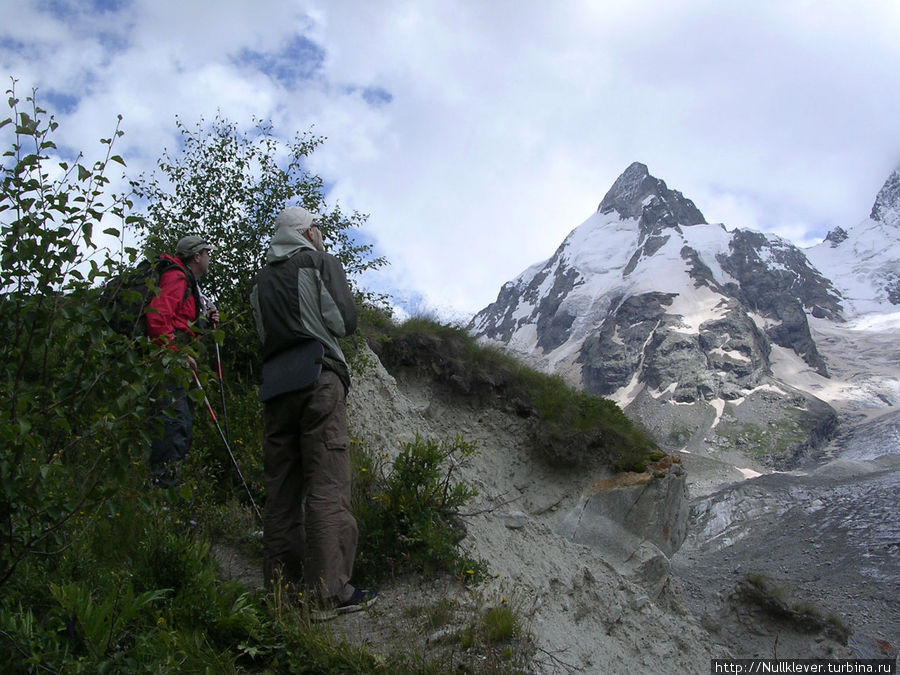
291, 226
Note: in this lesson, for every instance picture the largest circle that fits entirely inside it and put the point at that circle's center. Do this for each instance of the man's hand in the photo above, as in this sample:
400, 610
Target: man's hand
191, 362
213, 316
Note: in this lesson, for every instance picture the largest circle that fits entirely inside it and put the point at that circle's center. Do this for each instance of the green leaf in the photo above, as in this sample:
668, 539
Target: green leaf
117, 158
83, 174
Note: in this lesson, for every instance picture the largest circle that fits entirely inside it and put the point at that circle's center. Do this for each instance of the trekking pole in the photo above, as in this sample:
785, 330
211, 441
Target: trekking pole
222, 388
212, 414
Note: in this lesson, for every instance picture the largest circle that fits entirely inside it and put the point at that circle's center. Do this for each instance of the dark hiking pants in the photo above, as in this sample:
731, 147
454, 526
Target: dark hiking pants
172, 437
309, 533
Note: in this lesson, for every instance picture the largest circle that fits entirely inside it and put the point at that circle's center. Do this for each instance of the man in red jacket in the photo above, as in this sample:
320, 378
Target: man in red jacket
173, 323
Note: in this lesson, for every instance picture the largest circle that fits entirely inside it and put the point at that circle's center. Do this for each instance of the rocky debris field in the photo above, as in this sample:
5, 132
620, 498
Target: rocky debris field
829, 541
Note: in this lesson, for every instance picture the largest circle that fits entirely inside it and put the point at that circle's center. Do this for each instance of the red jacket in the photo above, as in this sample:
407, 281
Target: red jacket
176, 306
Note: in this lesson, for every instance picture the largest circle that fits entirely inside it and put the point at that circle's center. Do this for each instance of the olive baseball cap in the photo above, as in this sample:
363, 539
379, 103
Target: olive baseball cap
191, 245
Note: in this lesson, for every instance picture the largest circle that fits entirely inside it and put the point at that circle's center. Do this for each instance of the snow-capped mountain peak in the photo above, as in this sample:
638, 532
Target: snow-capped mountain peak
645, 239
863, 262
887, 204
637, 194
694, 329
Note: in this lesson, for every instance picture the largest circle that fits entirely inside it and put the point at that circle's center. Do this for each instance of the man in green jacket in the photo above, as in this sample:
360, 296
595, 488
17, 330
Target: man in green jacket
302, 304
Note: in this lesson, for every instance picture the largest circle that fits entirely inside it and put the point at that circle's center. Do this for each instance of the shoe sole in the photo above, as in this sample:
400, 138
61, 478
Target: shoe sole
349, 609
319, 615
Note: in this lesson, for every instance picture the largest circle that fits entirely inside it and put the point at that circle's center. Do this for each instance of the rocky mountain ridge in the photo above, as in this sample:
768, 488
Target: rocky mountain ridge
864, 262
697, 331
741, 353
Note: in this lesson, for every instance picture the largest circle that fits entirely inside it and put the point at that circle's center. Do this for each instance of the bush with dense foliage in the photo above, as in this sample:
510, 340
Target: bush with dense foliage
76, 398
408, 513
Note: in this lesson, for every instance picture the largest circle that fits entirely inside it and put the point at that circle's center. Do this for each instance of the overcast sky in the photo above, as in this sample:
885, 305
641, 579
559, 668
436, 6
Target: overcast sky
477, 134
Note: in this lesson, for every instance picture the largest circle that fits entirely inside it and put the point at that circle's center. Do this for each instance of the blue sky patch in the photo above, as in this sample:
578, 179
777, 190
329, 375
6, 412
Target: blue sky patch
74, 8
57, 102
297, 61
376, 96
113, 43
8, 44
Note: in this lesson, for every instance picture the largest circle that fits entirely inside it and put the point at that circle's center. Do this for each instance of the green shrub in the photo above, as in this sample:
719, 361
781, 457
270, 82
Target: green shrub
440, 614
499, 638
777, 600
75, 398
408, 514
101, 624
118, 603
208, 466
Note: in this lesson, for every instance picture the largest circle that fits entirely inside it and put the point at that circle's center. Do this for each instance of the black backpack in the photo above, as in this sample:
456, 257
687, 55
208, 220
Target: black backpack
126, 296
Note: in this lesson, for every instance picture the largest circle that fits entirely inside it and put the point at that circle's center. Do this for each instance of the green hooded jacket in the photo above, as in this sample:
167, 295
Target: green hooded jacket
303, 293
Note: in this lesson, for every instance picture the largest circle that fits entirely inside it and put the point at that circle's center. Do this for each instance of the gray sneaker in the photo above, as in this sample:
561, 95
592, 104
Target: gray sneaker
361, 599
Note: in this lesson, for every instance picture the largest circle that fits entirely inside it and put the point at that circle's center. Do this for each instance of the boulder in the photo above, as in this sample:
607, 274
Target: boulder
635, 521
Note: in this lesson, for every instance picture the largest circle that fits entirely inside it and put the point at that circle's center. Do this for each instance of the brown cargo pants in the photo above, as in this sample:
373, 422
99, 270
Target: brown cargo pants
309, 532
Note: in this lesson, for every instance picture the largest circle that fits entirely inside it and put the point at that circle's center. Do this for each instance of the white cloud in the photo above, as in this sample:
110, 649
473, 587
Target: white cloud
504, 123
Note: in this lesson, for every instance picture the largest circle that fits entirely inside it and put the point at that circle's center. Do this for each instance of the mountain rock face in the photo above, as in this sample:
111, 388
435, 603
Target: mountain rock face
692, 328
887, 204
637, 522
864, 264
732, 346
